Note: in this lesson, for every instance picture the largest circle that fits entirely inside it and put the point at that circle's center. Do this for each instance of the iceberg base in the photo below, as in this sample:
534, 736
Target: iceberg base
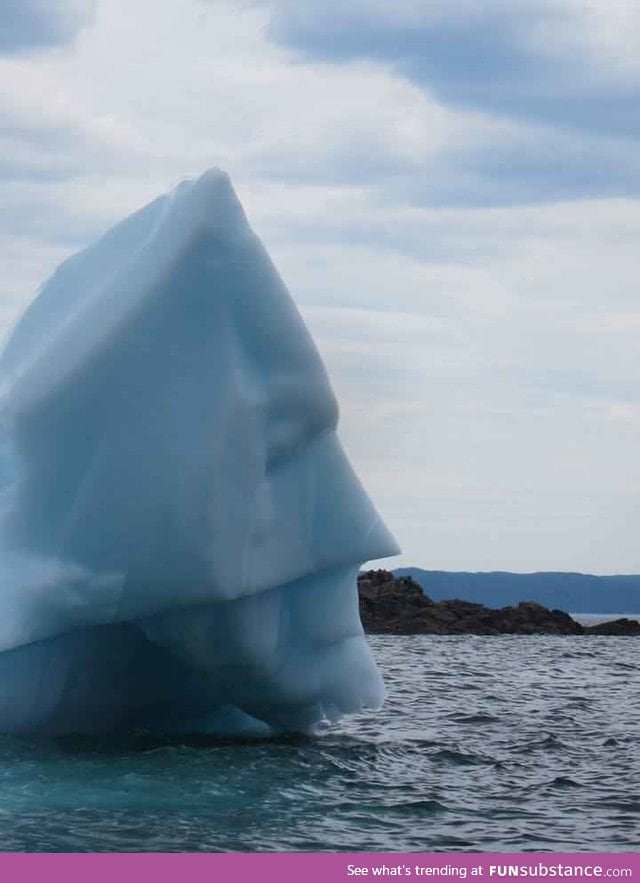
283, 660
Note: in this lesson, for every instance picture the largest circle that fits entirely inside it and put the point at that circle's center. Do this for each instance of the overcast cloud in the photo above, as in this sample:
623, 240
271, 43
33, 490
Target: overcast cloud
27, 25
451, 192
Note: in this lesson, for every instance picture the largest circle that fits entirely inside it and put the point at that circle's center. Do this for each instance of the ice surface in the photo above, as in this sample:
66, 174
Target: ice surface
181, 530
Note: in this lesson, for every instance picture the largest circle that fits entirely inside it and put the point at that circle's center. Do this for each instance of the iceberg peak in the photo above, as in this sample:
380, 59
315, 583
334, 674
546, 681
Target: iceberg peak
206, 202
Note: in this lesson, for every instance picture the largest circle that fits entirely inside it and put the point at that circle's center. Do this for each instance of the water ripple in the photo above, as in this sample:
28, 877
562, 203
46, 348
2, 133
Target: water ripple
485, 743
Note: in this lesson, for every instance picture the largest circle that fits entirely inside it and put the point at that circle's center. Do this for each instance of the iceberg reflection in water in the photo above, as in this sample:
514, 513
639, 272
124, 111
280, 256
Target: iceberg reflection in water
181, 531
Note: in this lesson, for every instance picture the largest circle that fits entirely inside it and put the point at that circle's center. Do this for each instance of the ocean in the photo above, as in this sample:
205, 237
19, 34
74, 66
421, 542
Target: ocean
507, 743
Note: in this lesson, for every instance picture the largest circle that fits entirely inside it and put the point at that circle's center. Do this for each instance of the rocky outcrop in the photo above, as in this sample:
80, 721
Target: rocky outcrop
622, 626
398, 606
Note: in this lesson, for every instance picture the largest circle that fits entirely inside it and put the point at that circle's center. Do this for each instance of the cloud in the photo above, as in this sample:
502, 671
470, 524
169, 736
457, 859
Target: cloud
569, 62
27, 25
561, 76
468, 283
489, 393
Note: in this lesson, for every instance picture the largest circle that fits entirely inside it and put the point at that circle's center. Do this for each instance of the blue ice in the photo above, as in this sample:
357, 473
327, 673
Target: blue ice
181, 531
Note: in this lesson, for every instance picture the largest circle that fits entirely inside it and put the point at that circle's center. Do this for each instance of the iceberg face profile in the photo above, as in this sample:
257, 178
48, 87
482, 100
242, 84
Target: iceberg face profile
180, 529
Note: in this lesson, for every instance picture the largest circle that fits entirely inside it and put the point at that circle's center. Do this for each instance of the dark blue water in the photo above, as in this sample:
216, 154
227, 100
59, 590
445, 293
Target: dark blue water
485, 743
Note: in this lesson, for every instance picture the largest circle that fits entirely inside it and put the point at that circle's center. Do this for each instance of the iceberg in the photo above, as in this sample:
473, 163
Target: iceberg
180, 529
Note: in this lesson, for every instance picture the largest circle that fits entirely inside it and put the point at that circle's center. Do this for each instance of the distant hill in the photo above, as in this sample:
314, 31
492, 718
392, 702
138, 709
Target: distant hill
573, 592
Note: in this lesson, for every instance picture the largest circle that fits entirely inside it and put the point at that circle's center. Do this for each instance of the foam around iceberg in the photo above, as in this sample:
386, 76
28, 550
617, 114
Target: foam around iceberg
180, 529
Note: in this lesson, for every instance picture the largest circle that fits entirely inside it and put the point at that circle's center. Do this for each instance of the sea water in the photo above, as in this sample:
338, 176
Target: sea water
485, 744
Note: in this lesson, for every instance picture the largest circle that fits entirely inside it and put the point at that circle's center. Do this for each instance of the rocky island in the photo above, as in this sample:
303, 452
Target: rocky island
398, 606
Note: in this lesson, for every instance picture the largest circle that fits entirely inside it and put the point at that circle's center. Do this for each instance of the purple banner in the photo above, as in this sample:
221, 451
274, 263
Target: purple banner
314, 867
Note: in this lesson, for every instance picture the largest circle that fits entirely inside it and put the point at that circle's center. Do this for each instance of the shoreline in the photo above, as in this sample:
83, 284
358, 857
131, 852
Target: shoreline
398, 606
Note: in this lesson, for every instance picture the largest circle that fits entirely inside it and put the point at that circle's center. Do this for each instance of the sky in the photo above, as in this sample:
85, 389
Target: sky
451, 192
